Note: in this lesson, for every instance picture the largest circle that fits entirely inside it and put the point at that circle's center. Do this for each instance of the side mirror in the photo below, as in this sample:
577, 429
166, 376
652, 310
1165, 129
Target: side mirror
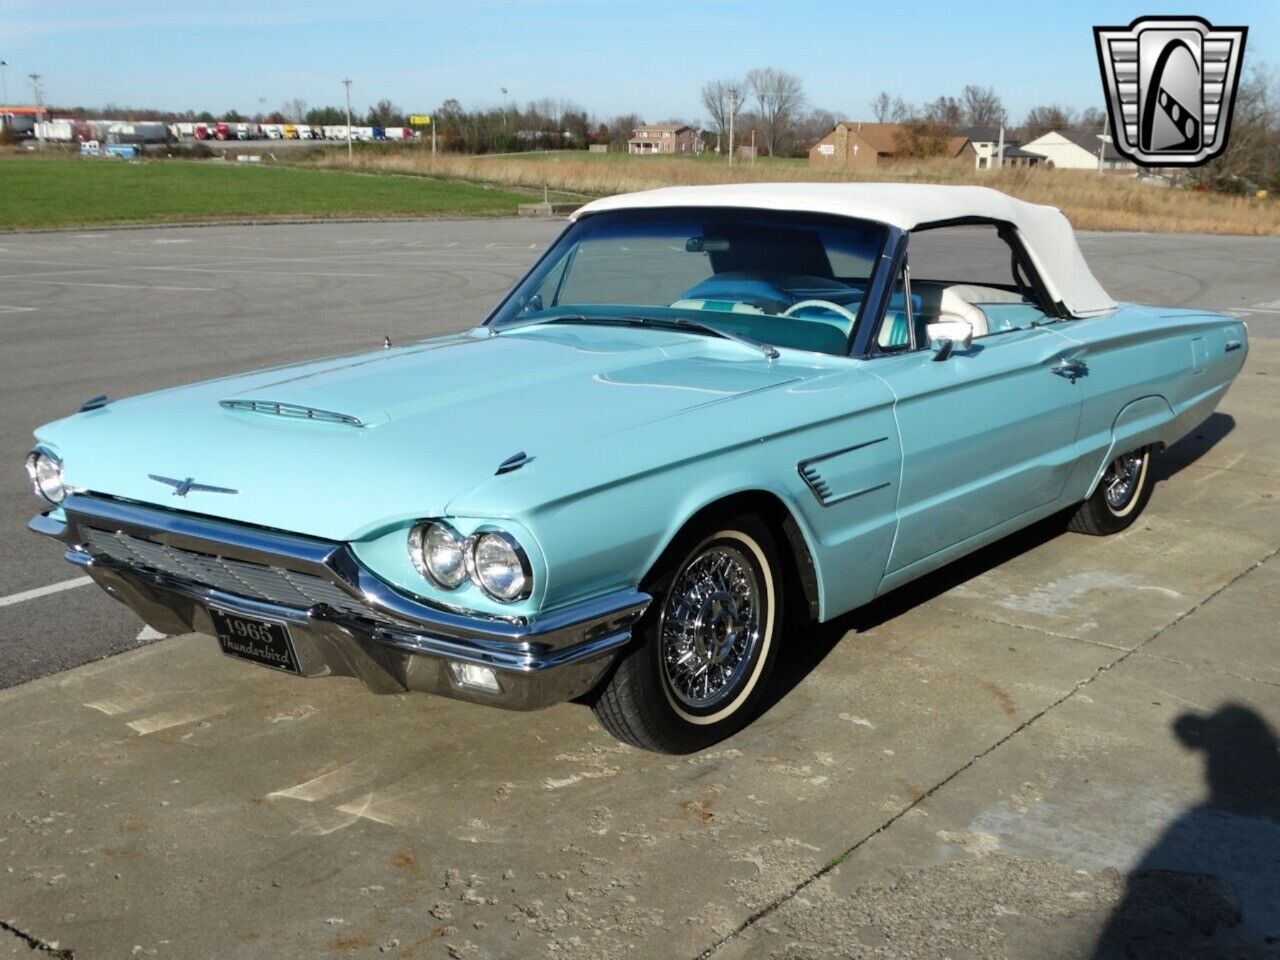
946, 335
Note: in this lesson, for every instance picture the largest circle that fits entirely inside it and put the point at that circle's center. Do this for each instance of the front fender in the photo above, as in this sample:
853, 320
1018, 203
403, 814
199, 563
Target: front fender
604, 511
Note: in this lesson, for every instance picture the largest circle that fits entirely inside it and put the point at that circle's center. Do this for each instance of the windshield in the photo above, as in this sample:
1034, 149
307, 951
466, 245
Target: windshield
786, 279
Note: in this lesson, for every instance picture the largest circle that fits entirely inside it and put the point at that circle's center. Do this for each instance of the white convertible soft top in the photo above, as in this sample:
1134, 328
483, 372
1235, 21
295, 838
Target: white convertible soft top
1044, 231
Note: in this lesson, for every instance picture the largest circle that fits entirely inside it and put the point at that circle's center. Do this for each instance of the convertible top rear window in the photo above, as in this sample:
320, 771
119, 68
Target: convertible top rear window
787, 279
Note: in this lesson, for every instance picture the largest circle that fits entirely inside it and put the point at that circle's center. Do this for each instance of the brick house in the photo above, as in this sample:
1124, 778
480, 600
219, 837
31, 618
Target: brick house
854, 144
665, 138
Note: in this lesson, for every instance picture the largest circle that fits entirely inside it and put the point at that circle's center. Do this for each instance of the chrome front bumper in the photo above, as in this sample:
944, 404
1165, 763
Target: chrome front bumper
170, 568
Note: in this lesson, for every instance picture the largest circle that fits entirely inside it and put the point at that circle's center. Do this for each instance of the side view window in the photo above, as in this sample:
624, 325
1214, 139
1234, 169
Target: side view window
895, 331
966, 273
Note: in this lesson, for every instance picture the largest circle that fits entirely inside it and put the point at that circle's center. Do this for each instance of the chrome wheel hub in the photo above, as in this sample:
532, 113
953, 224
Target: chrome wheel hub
1120, 482
711, 626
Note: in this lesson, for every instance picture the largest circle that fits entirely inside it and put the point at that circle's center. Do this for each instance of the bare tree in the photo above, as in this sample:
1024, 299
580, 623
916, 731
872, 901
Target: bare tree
982, 107
813, 126
945, 111
1093, 118
1042, 119
779, 98
902, 111
623, 127
882, 107
1250, 158
719, 96
294, 110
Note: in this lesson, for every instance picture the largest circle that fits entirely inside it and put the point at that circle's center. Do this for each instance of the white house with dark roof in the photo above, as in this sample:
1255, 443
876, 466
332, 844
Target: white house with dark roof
1076, 150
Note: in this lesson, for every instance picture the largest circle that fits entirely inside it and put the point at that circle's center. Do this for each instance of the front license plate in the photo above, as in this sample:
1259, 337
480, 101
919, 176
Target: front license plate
258, 640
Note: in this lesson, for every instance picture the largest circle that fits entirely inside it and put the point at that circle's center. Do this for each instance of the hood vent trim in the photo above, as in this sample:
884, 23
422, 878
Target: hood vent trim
294, 411
513, 462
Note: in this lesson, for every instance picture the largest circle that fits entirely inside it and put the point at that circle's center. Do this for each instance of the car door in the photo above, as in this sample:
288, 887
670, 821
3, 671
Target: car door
987, 436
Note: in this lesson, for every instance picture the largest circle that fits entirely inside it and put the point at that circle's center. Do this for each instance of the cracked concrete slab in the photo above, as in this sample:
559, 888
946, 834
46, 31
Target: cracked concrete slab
250, 828
1141, 815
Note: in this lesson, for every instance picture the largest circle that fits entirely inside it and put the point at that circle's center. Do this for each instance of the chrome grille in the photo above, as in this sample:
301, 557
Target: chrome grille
257, 581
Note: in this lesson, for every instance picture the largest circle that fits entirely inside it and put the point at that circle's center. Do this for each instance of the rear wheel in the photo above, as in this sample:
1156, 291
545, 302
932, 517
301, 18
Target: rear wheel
1120, 497
706, 646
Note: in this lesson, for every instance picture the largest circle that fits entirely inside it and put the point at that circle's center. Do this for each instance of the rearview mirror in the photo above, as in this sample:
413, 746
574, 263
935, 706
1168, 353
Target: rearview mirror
946, 335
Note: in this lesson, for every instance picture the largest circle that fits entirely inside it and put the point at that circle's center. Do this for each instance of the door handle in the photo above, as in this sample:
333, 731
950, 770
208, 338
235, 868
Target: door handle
1071, 368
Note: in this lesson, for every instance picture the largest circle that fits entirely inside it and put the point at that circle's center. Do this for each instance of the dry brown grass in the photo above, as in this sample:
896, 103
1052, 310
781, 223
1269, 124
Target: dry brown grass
1090, 200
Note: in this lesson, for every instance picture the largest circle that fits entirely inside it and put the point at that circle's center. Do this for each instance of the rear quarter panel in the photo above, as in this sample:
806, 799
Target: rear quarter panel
1154, 374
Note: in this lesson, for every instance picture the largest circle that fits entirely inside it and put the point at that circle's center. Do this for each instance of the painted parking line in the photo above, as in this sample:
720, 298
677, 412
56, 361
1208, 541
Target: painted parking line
44, 591
114, 286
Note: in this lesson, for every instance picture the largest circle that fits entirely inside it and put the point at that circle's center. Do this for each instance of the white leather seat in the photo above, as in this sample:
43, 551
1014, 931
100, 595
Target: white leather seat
952, 306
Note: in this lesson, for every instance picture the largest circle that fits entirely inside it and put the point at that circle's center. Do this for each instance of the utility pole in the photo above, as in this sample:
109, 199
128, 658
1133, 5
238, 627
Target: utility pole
350, 158
1000, 150
733, 108
1102, 146
4, 97
504, 110
35, 92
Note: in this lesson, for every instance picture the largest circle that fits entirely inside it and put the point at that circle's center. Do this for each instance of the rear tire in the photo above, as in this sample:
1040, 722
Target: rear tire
1120, 497
705, 648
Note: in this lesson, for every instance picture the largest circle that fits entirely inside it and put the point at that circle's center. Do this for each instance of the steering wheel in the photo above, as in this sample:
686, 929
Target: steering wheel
822, 304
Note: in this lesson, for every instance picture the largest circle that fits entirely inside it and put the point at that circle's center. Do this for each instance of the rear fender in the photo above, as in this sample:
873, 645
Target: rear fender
1143, 422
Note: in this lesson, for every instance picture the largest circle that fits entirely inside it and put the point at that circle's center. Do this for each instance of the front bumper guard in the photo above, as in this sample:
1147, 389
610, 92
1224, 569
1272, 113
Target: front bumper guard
389, 641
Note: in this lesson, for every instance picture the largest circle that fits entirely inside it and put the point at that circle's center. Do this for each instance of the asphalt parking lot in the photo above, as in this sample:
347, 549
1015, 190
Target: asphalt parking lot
1059, 736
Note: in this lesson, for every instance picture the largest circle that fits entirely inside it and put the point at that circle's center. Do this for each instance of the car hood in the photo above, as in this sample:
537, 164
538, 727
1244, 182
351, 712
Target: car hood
347, 447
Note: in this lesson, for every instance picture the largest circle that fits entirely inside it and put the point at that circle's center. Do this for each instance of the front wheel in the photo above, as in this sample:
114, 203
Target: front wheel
706, 646
1121, 495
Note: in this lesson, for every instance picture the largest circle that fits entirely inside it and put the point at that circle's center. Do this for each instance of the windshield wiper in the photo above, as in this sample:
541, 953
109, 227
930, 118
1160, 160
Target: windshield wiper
679, 323
768, 349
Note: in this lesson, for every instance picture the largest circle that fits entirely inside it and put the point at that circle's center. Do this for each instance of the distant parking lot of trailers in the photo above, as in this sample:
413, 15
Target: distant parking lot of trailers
69, 130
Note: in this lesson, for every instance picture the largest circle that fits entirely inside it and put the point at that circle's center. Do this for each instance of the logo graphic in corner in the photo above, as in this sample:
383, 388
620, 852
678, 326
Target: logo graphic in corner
182, 487
1170, 84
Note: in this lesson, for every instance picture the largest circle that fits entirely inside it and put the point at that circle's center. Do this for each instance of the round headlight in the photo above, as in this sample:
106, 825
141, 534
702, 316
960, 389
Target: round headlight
45, 471
500, 566
438, 553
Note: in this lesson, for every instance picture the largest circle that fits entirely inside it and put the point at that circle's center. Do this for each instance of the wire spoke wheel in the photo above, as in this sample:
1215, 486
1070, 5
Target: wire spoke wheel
1119, 497
711, 627
1120, 481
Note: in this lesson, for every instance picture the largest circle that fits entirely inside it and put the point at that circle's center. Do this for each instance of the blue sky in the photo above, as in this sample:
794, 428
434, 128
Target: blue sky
611, 56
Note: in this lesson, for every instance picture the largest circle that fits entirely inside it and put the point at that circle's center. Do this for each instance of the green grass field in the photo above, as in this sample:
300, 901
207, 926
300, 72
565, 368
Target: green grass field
70, 192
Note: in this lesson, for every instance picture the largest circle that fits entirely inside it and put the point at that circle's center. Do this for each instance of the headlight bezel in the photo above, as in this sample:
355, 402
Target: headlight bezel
520, 569
35, 459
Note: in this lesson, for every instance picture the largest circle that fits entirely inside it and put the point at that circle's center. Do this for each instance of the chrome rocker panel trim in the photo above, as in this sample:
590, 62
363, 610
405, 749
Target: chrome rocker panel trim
392, 642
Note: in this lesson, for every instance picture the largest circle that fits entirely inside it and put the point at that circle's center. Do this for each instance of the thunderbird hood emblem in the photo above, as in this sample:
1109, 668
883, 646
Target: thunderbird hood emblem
182, 487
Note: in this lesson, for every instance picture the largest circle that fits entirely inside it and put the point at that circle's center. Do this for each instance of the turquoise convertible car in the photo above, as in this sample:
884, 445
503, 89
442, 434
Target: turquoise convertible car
705, 417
